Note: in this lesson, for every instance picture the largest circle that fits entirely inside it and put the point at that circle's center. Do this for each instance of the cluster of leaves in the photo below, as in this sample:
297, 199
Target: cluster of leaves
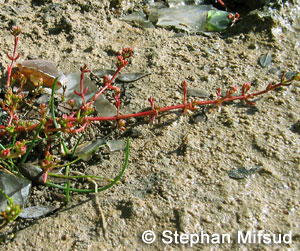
15, 152
52, 127
12, 210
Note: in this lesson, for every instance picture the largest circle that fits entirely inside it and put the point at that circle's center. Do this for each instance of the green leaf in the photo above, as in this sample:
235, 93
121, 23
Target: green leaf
217, 20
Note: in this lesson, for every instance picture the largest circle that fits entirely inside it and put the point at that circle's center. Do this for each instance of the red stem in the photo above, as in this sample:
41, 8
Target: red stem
105, 87
82, 87
13, 60
188, 106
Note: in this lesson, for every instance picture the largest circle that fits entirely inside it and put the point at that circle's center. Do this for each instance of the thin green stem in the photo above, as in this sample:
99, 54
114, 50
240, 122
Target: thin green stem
25, 156
43, 122
54, 118
77, 176
77, 143
52, 103
14, 139
101, 188
79, 158
68, 184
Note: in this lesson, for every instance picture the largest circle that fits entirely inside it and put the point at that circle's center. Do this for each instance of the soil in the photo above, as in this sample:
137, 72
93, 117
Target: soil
179, 176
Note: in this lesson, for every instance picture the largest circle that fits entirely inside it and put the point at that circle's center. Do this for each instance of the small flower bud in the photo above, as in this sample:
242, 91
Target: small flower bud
15, 31
84, 68
72, 103
5, 153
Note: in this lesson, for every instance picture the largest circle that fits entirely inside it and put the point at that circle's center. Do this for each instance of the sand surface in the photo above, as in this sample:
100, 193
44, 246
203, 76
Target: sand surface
177, 178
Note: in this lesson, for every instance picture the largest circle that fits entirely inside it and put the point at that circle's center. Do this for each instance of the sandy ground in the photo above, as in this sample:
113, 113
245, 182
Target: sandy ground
177, 178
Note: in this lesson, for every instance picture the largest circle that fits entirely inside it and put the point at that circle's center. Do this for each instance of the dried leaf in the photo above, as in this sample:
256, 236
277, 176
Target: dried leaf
88, 147
196, 92
174, 3
38, 68
44, 98
265, 60
102, 105
101, 73
191, 18
131, 77
64, 107
36, 211
242, 173
139, 19
15, 187
32, 172
104, 108
123, 77
116, 144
